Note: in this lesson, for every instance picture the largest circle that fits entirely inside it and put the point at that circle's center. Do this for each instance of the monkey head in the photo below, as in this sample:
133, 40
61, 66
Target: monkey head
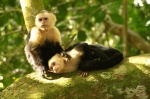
56, 64
45, 20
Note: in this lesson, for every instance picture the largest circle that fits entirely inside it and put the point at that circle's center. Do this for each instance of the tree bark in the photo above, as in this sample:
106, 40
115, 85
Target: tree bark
127, 80
30, 8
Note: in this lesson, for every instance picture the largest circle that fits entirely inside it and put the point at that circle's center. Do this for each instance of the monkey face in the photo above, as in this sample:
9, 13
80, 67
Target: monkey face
45, 20
42, 21
56, 64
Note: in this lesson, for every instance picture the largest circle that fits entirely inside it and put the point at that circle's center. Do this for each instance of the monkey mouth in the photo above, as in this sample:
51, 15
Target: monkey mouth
53, 69
43, 25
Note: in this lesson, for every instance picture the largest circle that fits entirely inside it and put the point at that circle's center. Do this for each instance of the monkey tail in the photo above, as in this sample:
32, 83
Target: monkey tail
101, 64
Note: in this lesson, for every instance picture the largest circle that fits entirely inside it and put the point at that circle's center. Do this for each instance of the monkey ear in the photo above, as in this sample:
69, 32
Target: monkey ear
54, 17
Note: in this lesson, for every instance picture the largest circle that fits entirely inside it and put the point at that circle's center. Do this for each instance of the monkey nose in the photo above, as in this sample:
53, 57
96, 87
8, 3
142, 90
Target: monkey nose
51, 68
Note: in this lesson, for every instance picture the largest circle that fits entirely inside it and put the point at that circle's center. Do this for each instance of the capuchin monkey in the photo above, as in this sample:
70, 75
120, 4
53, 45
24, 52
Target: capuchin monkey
42, 42
85, 57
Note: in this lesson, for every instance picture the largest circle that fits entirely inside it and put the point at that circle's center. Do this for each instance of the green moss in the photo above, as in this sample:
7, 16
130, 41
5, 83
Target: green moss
126, 80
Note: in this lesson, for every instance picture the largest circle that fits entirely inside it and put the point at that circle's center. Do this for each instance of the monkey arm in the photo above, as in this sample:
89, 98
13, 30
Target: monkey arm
32, 46
85, 49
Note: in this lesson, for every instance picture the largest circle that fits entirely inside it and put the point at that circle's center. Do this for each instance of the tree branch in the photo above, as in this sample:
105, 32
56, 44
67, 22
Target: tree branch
133, 37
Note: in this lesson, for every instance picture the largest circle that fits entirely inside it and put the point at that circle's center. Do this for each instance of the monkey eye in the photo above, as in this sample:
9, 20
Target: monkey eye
53, 63
45, 18
40, 19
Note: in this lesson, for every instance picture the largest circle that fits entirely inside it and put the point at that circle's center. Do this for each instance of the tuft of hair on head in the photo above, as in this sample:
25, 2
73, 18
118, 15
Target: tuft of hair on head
44, 11
50, 14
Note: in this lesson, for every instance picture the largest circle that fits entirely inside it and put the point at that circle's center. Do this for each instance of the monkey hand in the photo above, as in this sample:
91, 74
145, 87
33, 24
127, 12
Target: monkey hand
42, 72
65, 56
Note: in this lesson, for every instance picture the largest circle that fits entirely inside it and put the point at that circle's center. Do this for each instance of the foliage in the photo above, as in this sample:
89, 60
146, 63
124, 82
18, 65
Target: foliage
84, 18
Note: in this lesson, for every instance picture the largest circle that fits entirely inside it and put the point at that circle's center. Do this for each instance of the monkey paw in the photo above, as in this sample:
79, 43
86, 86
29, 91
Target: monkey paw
42, 73
65, 56
97, 59
83, 74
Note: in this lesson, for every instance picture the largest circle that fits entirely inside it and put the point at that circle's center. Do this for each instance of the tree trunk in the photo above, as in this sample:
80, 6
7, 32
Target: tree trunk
125, 29
128, 80
30, 8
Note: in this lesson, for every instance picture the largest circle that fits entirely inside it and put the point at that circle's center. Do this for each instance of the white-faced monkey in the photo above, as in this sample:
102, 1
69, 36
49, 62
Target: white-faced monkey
42, 42
85, 57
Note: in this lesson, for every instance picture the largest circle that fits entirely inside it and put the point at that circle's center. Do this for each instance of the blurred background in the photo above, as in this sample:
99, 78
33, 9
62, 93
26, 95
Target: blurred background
92, 21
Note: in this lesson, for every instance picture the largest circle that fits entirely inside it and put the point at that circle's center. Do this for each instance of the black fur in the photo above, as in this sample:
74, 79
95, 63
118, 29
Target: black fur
38, 56
97, 57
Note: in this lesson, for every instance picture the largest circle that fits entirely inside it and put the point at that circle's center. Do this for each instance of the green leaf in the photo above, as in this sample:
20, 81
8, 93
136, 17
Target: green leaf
88, 24
18, 18
104, 1
62, 11
100, 16
4, 19
114, 6
90, 9
81, 36
117, 18
12, 2
53, 2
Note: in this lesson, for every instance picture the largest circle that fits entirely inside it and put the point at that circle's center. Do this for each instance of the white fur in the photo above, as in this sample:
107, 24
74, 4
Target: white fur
63, 66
